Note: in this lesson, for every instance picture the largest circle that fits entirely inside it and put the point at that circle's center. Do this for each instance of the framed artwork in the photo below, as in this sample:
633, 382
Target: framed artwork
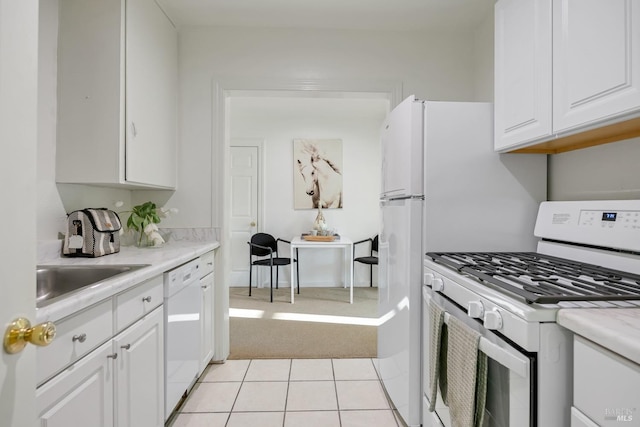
317, 170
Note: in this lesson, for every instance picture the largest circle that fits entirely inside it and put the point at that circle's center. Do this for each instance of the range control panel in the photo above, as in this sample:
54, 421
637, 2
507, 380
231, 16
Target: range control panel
629, 220
606, 223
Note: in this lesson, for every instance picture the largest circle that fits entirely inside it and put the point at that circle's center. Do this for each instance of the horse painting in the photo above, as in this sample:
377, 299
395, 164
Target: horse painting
322, 178
329, 181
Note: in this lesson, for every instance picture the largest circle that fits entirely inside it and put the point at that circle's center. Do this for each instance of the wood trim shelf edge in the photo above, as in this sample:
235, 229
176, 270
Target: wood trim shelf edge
599, 136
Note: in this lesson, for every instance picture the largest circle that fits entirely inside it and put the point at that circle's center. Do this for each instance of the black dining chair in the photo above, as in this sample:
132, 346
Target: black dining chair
370, 260
265, 247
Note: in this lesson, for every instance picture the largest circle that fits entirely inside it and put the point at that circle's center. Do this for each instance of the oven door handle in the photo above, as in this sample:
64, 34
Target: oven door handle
517, 365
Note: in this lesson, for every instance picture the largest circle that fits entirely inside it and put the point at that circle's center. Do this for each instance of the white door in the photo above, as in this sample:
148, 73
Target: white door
81, 395
152, 94
245, 200
522, 66
139, 396
596, 60
18, 133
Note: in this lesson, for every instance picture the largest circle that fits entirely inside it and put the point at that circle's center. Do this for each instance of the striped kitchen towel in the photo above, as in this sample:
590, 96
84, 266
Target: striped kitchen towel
436, 320
462, 375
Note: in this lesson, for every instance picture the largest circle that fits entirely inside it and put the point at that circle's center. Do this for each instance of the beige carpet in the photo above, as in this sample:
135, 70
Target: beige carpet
320, 324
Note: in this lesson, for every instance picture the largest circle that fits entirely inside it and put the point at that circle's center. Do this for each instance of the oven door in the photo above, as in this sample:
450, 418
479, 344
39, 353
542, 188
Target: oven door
510, 379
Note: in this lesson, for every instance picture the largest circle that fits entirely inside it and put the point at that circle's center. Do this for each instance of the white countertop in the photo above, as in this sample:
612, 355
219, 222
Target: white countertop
617, 329
167, 257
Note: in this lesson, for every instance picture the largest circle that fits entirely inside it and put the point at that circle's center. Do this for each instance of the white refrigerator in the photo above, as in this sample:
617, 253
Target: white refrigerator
443, 189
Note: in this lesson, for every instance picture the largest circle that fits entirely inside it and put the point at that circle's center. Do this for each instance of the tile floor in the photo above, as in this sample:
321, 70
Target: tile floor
287, 393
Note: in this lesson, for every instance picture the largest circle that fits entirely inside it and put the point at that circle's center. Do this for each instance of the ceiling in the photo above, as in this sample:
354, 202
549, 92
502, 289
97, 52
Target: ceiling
395, 15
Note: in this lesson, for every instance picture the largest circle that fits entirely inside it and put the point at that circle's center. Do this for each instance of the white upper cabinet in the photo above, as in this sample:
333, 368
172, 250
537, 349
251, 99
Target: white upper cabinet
567, 73
522, 71
117, 94
596, 60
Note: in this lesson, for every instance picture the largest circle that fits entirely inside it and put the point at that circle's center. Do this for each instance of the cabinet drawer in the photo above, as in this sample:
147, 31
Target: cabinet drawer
608, 393
76, 336
134, 303
205, 264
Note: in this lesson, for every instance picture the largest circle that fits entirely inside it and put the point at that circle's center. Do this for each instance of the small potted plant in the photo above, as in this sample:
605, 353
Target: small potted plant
144, 219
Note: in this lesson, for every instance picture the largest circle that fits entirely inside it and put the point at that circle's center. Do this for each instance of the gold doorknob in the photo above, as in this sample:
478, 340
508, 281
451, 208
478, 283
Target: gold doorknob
20, 332
253, 223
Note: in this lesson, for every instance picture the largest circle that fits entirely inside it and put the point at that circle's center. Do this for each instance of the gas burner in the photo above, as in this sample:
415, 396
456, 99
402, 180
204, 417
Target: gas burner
542, 278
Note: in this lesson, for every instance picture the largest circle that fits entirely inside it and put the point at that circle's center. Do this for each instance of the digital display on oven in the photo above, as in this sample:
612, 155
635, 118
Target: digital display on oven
609, 216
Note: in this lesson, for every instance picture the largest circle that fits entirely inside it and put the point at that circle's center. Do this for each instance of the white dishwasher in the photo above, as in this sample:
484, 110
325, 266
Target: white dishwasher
181, 332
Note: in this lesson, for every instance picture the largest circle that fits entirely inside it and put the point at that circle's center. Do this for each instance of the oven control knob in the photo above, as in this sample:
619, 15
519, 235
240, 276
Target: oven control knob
475, 309
428, 278
493, 320
437, 284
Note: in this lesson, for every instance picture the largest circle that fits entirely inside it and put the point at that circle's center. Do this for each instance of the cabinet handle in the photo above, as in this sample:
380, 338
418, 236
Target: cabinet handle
134, 132
146, 299
209, 263
204, 286
126, 347
80, 338
113, 356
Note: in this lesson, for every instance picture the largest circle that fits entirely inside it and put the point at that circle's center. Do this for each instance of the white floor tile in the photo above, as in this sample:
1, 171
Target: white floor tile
311, 370
231, 370
312, 395
261, 396
254, 419
361, 395
211, 397
200, 420
354, 369
383, 418
258, 392
312, 419
269, 370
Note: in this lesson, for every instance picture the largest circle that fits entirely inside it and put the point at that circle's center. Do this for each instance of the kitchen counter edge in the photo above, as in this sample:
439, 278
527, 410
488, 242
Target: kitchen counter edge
616, 329
160, 260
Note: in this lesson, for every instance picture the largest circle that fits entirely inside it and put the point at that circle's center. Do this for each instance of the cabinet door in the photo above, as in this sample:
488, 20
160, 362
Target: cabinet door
139, 390
522, 71
81, 395
596, 60
206, 317
151, 95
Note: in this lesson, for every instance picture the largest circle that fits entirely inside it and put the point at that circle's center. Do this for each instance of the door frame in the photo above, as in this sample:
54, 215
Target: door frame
223, 88
259, 143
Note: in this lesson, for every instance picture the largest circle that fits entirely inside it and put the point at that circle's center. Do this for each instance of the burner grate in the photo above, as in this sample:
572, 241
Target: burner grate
542, 278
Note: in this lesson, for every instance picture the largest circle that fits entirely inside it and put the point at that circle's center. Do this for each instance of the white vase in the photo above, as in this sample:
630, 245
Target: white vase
319, 223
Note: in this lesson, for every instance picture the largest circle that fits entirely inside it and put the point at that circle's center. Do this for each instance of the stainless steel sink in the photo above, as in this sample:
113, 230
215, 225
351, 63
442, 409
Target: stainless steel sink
54, 281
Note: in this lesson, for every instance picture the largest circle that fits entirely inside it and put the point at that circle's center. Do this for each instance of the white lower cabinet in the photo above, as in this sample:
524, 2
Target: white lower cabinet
139, 384
81, 395
605, 387
206, 269
121, 382
206, 319
578, 419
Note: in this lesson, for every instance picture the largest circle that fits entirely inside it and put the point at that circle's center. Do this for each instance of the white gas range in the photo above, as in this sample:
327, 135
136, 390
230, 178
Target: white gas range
588, 256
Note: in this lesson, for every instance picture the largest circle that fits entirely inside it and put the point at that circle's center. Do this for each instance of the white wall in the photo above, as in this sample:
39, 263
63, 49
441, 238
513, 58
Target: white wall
280, 120
433, 66
606, 172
